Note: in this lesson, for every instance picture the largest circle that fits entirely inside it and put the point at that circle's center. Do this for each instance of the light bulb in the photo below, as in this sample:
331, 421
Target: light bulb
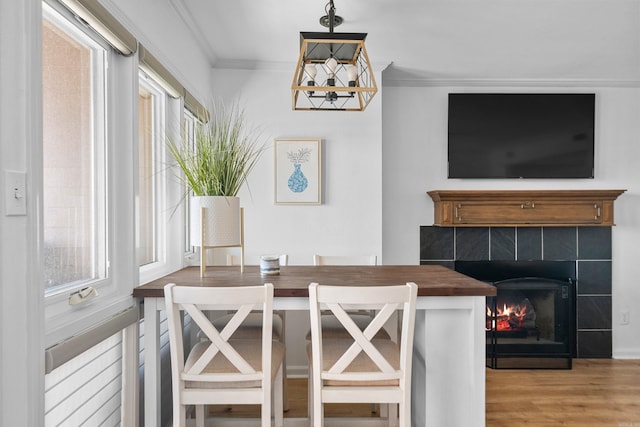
352, 72
330, 66
310, 71
352, 75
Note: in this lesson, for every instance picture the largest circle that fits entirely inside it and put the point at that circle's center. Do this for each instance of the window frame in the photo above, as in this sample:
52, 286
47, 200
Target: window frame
158, 182
169, 219
190, 121
100, 166
63, 320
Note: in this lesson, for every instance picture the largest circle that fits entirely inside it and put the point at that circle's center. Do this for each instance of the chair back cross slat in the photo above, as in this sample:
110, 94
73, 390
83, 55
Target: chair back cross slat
362, 339
219, 341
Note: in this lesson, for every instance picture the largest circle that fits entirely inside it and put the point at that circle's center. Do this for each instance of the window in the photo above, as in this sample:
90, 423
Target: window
74, 156
87, 175
159, 223
189, 135
166, 111
150, 220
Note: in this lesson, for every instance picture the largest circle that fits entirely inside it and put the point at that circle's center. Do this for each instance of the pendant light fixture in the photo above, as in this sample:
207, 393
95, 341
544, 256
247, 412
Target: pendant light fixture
333, 70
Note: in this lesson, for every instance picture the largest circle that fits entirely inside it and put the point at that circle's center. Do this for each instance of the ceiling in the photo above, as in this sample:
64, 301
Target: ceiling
528, 39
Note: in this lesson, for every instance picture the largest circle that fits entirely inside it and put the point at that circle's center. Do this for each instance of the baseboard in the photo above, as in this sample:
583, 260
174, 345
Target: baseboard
297, 371
627, 354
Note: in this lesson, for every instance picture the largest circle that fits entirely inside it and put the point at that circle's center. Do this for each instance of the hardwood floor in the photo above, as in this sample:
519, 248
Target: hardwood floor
596, 392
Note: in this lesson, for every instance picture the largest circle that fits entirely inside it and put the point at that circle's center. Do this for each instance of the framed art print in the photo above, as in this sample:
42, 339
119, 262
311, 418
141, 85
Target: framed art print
298, 170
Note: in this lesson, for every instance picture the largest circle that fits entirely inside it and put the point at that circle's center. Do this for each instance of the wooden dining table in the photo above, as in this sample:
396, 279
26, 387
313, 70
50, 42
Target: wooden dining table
448, 381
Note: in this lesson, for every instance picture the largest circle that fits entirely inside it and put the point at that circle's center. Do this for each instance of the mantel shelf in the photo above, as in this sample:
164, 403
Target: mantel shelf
499, 208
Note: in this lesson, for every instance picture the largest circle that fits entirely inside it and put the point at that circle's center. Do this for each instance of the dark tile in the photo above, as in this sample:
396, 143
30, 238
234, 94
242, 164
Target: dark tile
594, 312
529, 245
472, 243
436, 243
503, 243
559, 243
594, 277
594, 242
594, 344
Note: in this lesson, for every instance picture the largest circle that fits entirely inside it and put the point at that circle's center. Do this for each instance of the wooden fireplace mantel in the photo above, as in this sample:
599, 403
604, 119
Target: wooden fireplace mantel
473, 208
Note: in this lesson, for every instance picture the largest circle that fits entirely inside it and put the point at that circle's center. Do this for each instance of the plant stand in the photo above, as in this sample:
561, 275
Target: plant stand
203, 249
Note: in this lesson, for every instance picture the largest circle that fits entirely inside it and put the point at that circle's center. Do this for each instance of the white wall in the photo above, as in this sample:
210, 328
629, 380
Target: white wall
415, 160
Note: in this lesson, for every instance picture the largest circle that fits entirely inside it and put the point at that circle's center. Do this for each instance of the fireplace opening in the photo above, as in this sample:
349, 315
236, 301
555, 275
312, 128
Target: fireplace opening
530, 322
512, 315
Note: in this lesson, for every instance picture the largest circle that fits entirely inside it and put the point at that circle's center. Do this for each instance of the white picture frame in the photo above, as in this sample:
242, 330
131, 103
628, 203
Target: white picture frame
298, 171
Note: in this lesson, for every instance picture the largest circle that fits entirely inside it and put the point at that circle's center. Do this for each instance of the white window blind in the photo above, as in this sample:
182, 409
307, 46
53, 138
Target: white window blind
104, 23
86, 391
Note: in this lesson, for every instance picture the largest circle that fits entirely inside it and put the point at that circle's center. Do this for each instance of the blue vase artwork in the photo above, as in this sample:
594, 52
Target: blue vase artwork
297, 181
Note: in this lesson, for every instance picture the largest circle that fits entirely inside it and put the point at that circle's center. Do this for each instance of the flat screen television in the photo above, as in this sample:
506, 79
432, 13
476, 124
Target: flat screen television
515, 135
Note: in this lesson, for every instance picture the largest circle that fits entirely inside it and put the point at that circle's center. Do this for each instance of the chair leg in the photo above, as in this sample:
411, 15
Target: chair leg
318, 413
384, 410
265, 410
179, 415
393, 414
318, 408
278, 397
285, 390
200, 417
310, 397
405, 414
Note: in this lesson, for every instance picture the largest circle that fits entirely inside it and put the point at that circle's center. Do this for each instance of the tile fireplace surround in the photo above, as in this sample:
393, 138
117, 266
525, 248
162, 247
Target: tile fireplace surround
589, 247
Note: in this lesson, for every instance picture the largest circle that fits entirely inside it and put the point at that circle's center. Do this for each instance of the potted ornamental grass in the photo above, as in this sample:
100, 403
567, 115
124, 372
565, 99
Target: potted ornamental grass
214, 166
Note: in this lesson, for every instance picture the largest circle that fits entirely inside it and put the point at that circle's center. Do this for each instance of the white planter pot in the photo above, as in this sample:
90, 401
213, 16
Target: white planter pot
221, 221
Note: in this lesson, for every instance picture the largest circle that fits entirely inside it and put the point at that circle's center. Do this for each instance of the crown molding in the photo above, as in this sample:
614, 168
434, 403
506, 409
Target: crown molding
505, 82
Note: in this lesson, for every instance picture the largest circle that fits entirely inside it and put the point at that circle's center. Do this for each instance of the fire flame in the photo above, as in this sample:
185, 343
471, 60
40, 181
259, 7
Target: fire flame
507, 318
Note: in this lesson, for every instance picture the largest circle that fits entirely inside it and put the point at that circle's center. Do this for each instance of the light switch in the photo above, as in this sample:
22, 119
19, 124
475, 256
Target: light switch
15, 199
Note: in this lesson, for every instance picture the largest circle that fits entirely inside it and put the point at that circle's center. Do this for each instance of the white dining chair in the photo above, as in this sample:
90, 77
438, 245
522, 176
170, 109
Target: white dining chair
362, 368
221, 370
362, 318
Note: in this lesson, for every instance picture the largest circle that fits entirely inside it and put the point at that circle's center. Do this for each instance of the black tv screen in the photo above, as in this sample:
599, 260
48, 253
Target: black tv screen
521, 135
